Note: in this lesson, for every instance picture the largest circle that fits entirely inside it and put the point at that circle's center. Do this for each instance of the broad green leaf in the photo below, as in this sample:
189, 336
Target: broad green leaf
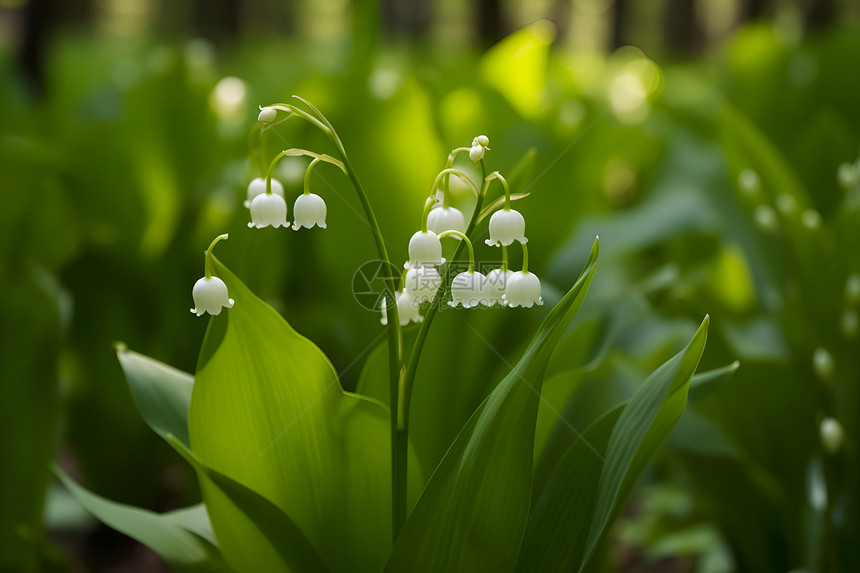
285, 547
162, 393
573, 510
268, 411
180, 546
194, 518
522, 55
473, 511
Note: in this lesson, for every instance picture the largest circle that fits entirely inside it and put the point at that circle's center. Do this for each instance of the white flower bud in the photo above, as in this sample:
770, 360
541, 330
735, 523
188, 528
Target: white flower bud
766, 218
749, 182
467, 289
308, 211
257, 186
497, 280
507, 226
811, 219
268, 210
823, 363
476, 153
267, 114
446, 219
481, 140
425, 250
407, 309
523, 289
852, 288
785, 203
210, 295
832, 435
421, 283
847, 175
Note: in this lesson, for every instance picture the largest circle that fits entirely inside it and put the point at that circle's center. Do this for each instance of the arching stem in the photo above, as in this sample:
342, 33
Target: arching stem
463, 236
207, 265
307, 185
525, 258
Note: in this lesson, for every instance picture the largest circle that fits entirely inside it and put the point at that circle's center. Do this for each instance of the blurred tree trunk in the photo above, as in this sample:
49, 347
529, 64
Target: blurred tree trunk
818, 14
217, 20
490, 21
408, 17
753, 10
619, 24
681, 29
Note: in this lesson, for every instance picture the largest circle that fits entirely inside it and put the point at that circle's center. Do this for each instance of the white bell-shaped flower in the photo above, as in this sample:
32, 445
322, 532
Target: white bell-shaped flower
308, 211
268, 210
497, 280
479, 146
507, 226
210, 295
407, 309
445, 219
468, 289
267, 114
257, 186
522, 289
422, 283
425, 250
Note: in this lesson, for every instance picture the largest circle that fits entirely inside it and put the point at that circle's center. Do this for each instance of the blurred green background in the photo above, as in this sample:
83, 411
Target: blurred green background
700, 139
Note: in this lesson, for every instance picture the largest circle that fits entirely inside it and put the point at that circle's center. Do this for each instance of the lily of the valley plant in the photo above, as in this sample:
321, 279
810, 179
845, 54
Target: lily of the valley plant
298, 475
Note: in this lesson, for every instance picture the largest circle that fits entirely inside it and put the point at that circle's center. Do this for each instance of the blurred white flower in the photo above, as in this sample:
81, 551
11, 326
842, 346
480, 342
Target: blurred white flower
445, 219
257, 186
422, 283
467, 289
522, 289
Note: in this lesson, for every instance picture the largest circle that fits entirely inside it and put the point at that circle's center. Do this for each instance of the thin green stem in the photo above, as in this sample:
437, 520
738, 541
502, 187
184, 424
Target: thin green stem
307, 185
504, 268
399, 439
425, 213
271, 170
451, 232
451, 171
207, 265
446, 184
414, 357
504, 182
525, 258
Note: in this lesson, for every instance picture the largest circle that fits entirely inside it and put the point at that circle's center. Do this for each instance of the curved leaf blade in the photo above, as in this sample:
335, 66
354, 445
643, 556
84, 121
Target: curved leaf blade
268, 411
255, 512
162, 393
178, 545
582, 495
474, 509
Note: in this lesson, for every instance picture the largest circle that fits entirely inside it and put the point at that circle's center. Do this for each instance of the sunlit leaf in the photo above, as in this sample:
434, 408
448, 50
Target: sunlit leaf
268, 411
473, 511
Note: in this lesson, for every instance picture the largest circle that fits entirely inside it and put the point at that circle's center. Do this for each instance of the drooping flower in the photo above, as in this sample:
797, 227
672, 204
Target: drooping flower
268, 209
522, 289
479, 146
425, 250
442, 219
832, 435
421, 283
257, 186
468, 290
497, 280
210, 295
267, 114
507, 226
308, 211
407, 309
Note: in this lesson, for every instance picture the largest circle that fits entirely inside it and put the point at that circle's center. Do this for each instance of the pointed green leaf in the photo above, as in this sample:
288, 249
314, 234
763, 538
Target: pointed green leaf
252, 514
473, 511
581, 497
162, 393
497, 204
178, 545
268, 411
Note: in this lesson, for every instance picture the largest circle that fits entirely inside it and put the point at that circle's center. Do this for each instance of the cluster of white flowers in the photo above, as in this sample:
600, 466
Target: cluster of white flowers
469, 289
